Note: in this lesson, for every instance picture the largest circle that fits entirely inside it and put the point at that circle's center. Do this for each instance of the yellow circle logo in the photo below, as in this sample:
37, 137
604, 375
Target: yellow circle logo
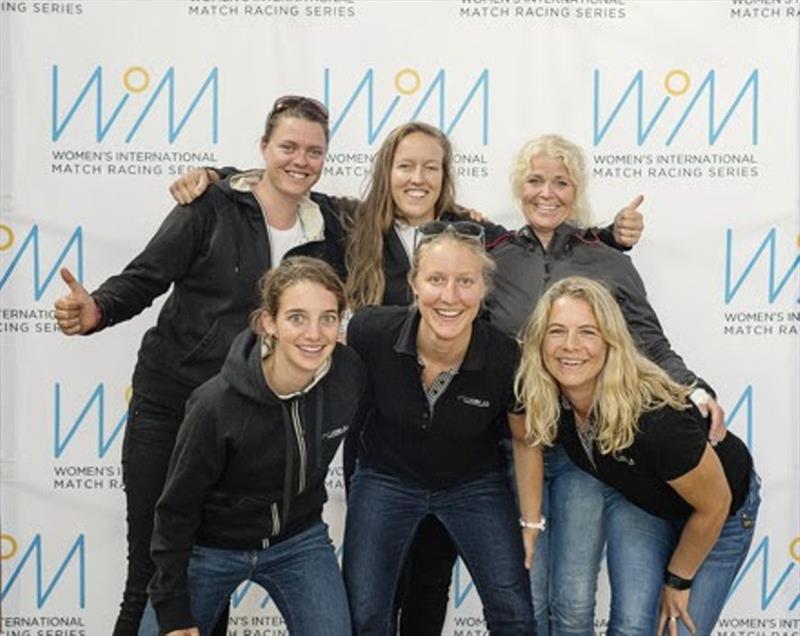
136, 79
407, 81
6, 237
677, 82
12, 546
794, 549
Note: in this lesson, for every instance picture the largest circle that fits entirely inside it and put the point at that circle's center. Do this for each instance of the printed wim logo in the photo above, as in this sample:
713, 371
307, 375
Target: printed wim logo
93, 410
666, 121
776, 277
35, 557
411, 100
743, 410
774, 590
31, 242
129, 112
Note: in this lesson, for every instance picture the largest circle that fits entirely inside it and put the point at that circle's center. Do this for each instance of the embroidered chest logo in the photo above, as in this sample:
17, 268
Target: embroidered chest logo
337, 432
471, 401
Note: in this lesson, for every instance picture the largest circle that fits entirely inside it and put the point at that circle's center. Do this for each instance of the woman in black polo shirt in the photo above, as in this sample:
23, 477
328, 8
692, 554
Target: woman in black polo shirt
623, 420
441, 387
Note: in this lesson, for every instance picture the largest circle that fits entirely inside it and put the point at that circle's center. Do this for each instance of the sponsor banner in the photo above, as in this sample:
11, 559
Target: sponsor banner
104, 103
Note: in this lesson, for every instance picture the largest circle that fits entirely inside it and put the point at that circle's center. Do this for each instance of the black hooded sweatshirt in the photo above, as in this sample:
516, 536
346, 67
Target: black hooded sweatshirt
249, 467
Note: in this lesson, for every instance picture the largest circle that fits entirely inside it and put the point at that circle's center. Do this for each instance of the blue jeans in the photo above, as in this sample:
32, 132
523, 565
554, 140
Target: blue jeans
301, 575
637, 556
568, 554
383, 515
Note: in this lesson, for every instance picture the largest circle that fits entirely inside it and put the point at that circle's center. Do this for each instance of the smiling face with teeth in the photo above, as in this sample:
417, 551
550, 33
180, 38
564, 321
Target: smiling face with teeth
449, 286
304, 329
416, 177
293, 157
574, 350
548, 196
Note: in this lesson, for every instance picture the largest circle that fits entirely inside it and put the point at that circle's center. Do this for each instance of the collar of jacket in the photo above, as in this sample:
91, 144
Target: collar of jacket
312, 222
475, 357
318, 374
564, 237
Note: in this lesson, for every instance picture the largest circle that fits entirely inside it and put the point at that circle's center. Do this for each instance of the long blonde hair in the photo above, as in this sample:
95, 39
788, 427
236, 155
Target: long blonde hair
628, 385
377, 211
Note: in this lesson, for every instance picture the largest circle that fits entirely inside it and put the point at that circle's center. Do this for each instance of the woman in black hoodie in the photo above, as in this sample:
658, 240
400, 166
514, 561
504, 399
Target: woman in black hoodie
246, 482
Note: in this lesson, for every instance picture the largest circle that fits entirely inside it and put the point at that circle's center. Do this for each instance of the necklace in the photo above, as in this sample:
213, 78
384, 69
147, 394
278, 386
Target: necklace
587, 434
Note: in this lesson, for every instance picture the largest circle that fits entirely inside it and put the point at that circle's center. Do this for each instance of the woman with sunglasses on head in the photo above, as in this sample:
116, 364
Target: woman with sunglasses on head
440, 384
624, 421
549, 180
246, 483
212, 252
411, 183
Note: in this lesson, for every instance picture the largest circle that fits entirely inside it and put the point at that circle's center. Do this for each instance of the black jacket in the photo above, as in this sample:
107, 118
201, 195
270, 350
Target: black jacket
213, 252
525, 270
248, 467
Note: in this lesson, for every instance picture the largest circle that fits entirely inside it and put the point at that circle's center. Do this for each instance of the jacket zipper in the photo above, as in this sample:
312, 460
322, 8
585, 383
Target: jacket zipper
276, 520
301, 446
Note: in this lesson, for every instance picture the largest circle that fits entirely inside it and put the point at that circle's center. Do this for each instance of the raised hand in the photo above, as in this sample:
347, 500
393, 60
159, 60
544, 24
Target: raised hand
77, 312
629, 223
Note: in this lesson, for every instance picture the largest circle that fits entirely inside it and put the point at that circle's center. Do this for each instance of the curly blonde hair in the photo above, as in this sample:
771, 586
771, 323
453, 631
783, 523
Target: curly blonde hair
556, 147
628, 385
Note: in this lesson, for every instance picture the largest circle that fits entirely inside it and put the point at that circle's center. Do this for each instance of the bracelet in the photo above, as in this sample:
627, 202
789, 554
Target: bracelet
676, 582
533, 525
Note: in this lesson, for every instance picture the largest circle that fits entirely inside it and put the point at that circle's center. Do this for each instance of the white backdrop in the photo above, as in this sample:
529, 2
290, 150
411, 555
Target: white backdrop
692, 103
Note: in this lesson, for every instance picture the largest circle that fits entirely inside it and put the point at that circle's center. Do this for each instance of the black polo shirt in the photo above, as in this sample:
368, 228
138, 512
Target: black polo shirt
456, 441
668, 444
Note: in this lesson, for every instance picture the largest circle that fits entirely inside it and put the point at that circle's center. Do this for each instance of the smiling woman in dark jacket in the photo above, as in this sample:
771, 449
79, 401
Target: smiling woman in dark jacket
246, 483
210, 254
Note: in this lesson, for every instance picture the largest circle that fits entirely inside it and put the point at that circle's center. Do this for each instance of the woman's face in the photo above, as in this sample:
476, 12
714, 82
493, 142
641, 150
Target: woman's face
416, 177
573, 350
449, 287
305, 329
547, 195
294, 156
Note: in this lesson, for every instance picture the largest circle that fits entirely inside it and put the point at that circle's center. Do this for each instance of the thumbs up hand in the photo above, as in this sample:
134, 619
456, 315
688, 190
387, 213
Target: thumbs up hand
77, 312
629, 223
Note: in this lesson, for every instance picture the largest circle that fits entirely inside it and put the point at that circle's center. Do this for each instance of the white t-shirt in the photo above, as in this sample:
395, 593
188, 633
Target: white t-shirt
281, 241
406, 234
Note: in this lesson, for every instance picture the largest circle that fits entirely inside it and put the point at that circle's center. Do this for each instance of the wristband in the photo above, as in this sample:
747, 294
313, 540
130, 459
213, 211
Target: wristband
676, 582
533, 525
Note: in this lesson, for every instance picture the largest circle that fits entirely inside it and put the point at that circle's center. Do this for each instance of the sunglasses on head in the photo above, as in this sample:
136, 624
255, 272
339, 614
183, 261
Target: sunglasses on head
465, 229
299, 101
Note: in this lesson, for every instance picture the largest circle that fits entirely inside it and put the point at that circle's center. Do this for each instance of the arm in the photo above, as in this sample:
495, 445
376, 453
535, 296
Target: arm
649, 337
706, 490
165, 259
529, 473
191, 185
626, 230
195, 465
167, 256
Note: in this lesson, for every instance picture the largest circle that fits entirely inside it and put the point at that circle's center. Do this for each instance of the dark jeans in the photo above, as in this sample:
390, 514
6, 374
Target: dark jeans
301, 575
149, 438
382, 518
425, 581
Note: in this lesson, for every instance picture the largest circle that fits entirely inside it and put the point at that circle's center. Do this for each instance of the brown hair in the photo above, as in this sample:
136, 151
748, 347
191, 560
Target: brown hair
377, 211
294, 270
299, 107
